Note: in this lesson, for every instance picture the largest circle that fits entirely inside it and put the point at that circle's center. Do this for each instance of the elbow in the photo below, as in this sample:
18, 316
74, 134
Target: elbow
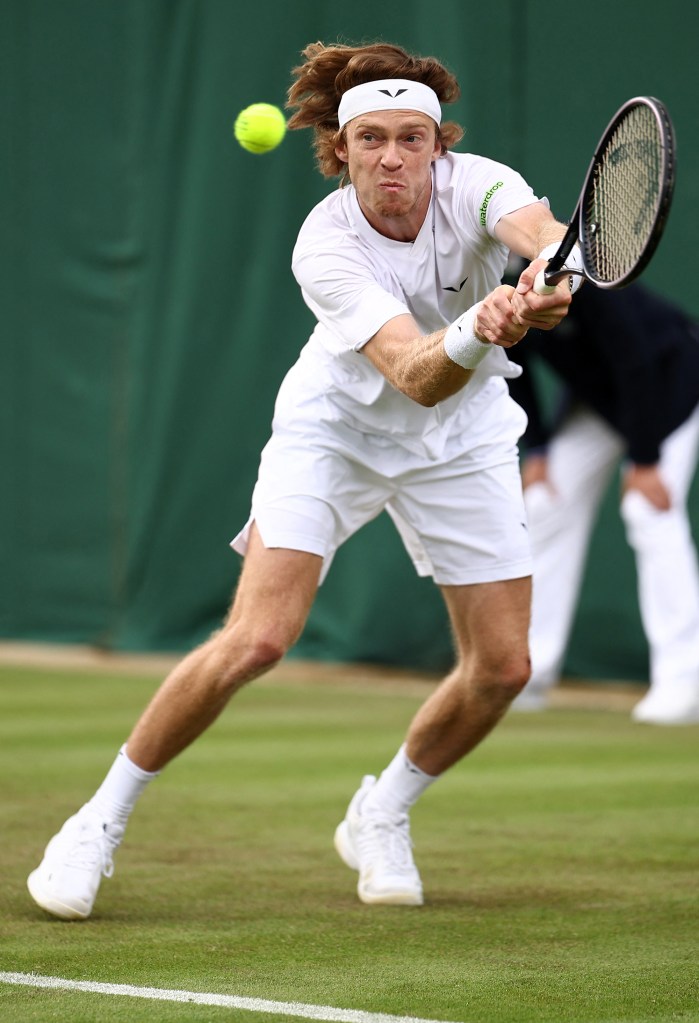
429, 388
427, 401
430, 394
421, 395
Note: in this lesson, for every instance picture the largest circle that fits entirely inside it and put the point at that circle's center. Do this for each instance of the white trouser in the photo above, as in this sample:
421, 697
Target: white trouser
581, 460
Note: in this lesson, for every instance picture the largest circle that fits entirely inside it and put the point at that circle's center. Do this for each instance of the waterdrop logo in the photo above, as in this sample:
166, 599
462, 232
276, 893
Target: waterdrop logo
486, 199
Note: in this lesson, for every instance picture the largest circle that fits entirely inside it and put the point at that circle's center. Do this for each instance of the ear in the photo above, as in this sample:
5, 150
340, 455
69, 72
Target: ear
341, 152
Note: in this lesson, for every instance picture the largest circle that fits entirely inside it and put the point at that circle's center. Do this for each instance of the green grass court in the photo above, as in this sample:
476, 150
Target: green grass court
560, 862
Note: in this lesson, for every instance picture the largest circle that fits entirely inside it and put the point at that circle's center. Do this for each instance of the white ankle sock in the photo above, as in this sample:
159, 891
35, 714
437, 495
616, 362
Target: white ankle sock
124, 783
399, 786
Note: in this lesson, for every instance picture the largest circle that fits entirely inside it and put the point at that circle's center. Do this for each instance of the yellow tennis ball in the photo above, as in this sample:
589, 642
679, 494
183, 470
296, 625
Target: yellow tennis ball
260, 127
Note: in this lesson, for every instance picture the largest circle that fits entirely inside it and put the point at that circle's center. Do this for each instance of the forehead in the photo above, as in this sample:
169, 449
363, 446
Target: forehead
391, 120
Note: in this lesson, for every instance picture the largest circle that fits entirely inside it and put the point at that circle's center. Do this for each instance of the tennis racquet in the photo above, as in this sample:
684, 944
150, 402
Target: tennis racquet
625, 201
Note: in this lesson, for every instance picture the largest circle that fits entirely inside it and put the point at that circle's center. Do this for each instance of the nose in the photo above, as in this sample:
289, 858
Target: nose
391, 158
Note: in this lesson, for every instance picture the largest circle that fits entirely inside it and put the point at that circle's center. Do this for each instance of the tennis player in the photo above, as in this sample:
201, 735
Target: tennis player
398, 402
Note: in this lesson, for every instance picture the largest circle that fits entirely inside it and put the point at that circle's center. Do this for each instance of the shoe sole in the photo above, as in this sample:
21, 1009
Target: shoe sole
345, 850
390, 898
651, 719
650, 715
50, 904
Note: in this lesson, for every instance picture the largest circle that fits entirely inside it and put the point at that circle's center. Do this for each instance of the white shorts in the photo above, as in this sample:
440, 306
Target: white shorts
461, 518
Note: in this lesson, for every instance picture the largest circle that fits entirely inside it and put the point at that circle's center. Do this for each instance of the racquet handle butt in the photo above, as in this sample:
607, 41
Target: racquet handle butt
540, 285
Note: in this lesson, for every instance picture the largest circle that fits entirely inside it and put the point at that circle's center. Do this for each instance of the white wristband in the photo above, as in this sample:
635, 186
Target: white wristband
460, 342
573, 262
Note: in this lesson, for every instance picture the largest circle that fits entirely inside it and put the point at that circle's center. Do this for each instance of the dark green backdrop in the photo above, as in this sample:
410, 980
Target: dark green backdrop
149, 312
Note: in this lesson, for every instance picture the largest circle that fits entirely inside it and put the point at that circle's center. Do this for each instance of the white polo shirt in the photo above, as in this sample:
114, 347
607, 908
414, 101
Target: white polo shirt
355, 280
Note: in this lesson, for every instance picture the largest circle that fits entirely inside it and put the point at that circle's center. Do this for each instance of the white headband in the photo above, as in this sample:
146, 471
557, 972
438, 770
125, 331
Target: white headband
388, 94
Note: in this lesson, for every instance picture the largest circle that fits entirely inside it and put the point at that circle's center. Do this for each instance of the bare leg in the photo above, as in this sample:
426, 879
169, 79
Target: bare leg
274, 596
275, 593
490, 622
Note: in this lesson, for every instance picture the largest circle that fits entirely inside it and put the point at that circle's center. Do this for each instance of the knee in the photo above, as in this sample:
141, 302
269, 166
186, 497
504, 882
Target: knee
636, 511
647, 526
263, 650
504, 676
238, 656
515, 674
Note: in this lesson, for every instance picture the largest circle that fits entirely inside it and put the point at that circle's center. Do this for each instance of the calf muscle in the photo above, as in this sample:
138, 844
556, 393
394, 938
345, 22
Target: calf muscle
490, 623
274, 596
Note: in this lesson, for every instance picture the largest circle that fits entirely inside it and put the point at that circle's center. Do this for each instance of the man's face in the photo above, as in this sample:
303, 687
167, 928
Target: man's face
389, 154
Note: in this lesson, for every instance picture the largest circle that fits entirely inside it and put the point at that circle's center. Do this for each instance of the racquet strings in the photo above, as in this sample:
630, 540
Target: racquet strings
621, 205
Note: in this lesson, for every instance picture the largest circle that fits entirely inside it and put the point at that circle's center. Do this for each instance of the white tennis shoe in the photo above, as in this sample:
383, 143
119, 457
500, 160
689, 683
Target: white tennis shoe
67, 880
671, 705
380, 848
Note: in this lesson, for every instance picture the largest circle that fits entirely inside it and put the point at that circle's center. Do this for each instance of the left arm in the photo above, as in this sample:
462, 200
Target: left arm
526, 232
419, 366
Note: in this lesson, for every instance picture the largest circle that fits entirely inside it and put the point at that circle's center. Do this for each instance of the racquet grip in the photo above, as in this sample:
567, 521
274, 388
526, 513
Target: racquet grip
540, 285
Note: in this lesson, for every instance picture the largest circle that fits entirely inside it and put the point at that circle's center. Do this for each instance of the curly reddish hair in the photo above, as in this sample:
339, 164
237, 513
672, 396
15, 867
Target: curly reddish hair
329, 71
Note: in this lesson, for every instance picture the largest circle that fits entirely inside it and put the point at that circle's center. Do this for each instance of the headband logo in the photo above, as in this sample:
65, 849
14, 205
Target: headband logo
393, 95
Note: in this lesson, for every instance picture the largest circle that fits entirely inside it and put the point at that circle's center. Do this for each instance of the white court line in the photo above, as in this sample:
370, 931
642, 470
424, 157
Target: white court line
320, 1012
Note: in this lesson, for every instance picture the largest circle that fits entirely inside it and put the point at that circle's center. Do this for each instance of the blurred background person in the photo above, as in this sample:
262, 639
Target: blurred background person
628, 362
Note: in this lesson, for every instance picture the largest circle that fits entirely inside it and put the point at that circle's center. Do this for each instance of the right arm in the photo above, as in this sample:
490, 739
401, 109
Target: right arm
418, 365
415, 364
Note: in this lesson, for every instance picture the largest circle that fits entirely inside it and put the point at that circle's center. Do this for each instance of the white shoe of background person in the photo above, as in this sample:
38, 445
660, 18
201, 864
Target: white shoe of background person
669, 705
531, 699
379, 847
67, 880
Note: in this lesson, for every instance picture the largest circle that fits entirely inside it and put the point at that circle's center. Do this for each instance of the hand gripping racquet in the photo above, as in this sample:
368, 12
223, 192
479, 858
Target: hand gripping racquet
625, 201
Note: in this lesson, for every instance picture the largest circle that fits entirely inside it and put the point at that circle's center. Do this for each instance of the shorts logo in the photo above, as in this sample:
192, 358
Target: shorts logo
486, 199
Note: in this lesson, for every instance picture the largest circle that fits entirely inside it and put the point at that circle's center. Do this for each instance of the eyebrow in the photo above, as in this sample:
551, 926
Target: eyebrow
362, 125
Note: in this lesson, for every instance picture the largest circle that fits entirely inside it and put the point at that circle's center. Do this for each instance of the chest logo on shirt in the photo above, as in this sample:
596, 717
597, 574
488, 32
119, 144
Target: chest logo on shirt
456, 290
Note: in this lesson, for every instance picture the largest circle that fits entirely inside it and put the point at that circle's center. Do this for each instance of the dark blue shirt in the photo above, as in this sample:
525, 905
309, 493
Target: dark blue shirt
630, 355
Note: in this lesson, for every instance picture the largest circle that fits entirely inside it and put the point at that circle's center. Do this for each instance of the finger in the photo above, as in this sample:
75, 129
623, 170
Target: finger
529, 274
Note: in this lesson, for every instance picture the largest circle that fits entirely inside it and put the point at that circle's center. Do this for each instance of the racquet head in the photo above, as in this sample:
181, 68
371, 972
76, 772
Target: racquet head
627, 193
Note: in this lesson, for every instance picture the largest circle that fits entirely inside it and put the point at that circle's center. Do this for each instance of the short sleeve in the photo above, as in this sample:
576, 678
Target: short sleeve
342, 291
491, 190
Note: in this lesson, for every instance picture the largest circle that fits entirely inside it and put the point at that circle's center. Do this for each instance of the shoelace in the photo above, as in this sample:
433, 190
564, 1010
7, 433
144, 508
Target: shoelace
388, 840
93, 846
